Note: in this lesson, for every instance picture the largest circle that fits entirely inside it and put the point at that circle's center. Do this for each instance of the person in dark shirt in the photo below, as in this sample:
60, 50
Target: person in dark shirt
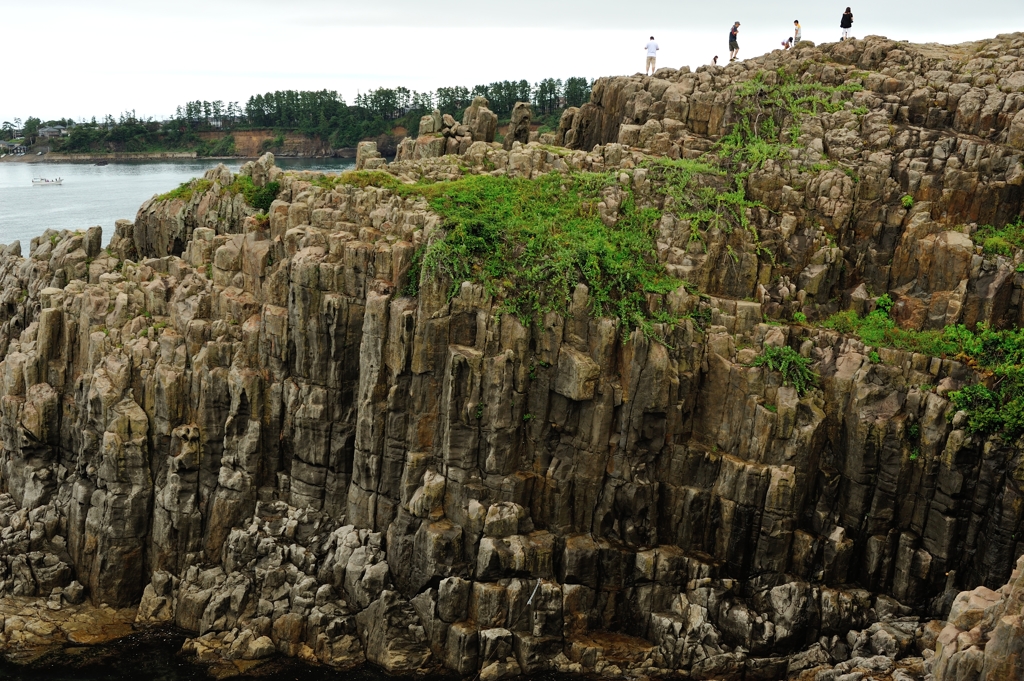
734, 46
846, 23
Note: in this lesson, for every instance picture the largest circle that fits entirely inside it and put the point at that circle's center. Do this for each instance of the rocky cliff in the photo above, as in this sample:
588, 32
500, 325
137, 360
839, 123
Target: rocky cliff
287, 432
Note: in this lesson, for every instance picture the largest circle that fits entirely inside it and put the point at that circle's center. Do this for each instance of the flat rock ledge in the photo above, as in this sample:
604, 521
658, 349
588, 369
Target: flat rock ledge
33, 627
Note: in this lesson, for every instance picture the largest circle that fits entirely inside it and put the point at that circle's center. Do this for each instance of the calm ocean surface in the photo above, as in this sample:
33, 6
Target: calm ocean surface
99, 195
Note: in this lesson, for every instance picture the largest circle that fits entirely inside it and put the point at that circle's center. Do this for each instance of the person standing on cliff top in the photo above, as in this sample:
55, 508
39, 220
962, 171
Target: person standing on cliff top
652, 55
846, 23
734, 46
798, 33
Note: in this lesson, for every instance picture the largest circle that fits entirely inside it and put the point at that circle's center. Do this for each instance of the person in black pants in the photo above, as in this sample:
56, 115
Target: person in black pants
846, 23
734, 46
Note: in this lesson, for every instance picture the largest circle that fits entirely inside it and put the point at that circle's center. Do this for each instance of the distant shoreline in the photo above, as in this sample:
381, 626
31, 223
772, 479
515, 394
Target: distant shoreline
119, 157
93, 158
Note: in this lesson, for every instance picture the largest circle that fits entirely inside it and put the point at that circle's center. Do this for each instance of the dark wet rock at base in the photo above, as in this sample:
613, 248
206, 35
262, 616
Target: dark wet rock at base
237, 424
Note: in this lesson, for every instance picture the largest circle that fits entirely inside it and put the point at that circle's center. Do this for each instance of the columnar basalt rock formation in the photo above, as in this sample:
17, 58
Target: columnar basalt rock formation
243, 424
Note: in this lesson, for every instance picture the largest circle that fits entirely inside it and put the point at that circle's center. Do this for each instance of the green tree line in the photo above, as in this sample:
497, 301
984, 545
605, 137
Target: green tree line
323, 113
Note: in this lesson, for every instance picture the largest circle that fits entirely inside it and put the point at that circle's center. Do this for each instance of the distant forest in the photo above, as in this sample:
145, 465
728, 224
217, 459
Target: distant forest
323, 113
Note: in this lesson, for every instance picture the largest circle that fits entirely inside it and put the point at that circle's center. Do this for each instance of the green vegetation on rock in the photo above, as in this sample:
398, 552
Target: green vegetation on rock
1001, 241
795, 369
186, 190
225, 146
762, 109
702, 194
259, 198
995, 405
531, 242
878, 329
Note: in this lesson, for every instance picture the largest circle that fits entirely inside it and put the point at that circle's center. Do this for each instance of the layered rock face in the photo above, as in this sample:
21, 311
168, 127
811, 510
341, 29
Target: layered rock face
242, 424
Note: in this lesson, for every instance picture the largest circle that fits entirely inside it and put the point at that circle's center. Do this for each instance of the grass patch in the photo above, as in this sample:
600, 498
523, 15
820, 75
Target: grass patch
531, 242
186, 190
358, 178
795, 369
259, 198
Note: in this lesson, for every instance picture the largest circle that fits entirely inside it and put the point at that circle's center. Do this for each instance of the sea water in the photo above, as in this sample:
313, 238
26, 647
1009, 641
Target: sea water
99, 195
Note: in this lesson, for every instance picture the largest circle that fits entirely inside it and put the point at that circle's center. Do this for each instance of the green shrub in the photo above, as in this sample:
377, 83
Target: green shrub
272, 143
879, 330
799, 317
907, 201
1001, 241
795, 369
701, 317
259, 198
997, 245
225, 146
845, 322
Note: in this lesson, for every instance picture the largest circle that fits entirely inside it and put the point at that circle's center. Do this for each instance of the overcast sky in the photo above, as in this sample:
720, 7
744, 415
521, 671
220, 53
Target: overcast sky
93, 57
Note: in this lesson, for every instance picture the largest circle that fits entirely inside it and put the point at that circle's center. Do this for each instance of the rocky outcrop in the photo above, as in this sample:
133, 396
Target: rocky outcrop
519, 125
241, 424
367, 156
984, 636
481, 121
441, 134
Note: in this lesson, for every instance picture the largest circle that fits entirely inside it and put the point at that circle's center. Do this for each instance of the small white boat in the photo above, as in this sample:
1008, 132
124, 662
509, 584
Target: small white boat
41, 181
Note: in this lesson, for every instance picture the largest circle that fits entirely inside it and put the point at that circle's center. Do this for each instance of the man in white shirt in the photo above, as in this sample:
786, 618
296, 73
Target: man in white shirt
652, 54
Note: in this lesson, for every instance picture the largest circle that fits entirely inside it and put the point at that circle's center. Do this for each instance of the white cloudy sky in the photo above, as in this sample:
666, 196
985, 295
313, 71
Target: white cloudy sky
88, 58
